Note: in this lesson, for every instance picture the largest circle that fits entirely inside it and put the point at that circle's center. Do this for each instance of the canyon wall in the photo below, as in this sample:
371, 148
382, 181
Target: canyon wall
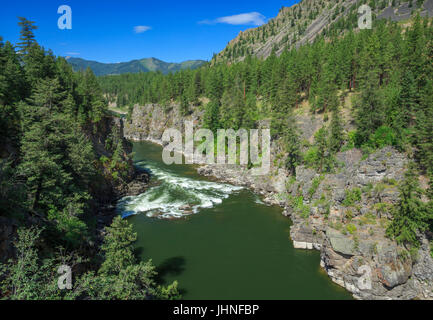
343, 214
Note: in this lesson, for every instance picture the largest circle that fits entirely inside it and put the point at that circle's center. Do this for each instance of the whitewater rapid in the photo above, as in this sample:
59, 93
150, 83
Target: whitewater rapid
174, 196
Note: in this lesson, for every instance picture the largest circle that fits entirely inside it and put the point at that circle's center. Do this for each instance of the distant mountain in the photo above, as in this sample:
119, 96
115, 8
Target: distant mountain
135, 66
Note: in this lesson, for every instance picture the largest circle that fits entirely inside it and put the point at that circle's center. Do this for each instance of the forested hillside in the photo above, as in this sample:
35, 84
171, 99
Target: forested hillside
382, 78
303, 22
135, 66
62, 159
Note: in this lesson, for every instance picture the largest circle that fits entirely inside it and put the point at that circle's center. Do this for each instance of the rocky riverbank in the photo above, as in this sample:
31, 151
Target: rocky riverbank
111, 190
343, 214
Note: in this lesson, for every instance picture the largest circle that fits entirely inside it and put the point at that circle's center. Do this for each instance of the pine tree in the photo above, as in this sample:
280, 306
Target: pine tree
251, 111
121, 276
12, 81
212, 115
91, 105
410, 214
197, 85
323, 154
285, 102
369, 109
184, 105
292, 145
38, 64
424, 115
27, 36
118, 247
336, 138
24, 275
326, 91
424, 130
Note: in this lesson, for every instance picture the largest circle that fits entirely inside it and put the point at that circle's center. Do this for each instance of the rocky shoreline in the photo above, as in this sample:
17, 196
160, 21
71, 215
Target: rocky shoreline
343, 215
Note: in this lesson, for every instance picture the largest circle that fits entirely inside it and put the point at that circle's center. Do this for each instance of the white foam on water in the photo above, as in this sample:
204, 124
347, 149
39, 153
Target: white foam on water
175, 196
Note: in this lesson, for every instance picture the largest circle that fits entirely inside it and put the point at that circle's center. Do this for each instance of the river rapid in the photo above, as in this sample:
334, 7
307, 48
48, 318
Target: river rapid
219, 241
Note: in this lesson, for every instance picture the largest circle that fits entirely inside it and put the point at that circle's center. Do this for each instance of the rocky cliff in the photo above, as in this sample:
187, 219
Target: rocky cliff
343, 214
105, 132
108, 190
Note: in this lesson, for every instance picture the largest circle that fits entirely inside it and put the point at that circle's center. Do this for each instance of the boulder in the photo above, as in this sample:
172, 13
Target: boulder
341, 243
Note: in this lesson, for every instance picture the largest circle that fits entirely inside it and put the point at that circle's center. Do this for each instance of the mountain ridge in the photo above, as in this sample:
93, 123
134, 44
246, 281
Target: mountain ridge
133, 66
301, 23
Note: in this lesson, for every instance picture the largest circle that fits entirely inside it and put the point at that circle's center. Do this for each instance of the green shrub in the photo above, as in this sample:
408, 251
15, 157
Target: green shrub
352, 196
349, 215
368, 218
368, 188
382, 137
104, 160
311, 157
351, 141
315, 185
313, 160
297, 203
390, 181
351, 228
323, 202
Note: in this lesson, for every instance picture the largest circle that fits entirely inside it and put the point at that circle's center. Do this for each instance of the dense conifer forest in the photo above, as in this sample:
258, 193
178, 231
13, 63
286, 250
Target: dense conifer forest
51, 180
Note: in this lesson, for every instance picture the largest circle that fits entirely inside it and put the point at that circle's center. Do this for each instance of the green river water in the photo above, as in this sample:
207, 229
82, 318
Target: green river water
226, 244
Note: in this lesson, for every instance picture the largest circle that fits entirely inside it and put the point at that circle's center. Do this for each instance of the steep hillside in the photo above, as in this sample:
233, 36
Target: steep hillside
135, 66
303, 22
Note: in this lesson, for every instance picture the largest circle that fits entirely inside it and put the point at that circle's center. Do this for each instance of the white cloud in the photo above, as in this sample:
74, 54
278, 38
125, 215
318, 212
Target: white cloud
141, 29
251, 18
73, 53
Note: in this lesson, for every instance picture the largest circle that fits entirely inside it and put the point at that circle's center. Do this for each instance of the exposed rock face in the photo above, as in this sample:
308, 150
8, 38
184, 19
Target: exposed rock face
109, 189
343, 214
348, 255
138, 185
149, 122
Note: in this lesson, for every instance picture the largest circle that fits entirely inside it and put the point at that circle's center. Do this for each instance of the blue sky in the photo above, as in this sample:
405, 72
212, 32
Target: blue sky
123, 30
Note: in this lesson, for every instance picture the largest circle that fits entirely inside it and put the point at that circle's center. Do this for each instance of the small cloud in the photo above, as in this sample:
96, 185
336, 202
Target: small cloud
141, 29
252, 18
73, 53
206, 22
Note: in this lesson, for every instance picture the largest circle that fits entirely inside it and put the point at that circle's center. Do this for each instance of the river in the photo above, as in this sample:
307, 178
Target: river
219, 241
